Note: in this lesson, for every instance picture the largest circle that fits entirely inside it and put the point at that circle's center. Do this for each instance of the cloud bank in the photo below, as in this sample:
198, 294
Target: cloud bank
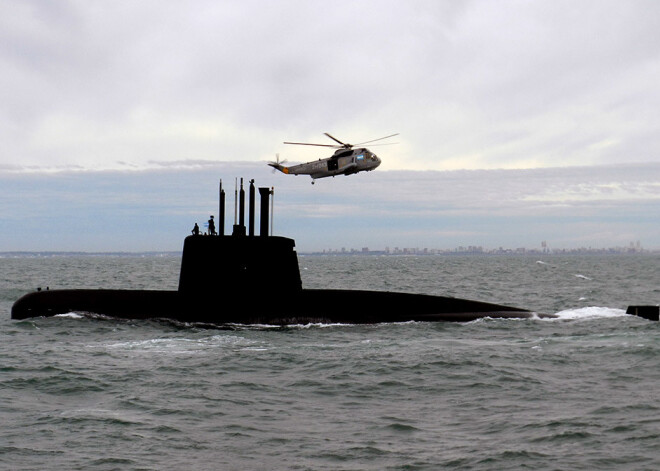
468, 84
154, 210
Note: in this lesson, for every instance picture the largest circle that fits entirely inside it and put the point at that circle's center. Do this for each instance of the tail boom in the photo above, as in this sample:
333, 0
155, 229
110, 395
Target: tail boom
279, 167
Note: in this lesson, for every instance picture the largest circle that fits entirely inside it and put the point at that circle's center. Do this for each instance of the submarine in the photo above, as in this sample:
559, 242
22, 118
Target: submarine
257, 278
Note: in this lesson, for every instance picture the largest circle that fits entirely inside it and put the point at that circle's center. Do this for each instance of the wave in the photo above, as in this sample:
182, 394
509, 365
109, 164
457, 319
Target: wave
591, 312
577, 275
70, 315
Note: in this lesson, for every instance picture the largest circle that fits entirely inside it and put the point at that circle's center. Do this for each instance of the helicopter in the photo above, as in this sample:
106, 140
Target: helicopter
346, 160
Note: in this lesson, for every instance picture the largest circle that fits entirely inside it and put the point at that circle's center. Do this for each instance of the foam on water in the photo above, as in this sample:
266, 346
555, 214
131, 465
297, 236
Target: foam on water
71, 315
591, 312
182, 345
583, 277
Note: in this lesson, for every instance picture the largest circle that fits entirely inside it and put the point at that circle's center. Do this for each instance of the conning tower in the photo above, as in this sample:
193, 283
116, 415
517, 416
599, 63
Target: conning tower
242, 263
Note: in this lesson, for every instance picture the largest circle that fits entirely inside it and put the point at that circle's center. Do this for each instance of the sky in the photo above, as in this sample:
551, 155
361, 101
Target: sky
518, 121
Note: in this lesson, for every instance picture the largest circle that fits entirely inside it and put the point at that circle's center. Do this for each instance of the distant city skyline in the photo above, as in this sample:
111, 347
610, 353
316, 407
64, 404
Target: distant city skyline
633, 248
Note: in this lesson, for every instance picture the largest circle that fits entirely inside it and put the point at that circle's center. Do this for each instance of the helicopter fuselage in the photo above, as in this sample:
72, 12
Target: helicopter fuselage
343, 162
347, 160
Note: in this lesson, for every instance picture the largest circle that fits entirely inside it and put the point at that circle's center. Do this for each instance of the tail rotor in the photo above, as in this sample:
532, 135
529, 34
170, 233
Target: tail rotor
278, 164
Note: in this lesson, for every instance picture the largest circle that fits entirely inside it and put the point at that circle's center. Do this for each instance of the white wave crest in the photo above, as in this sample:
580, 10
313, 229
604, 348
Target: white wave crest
181, 345
70, 315
577, 275
591, 312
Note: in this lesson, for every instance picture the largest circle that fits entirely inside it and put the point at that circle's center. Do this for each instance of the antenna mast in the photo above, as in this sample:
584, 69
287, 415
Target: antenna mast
272, 208
221, 223
235, 201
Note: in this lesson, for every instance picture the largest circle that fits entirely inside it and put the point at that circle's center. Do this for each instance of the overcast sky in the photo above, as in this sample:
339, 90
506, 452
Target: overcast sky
149, 103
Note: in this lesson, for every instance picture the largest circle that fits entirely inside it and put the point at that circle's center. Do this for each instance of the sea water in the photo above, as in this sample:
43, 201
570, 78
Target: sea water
579, 392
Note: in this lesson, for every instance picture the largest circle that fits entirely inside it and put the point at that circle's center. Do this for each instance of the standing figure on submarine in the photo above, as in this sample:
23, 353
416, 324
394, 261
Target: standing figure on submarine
211, 224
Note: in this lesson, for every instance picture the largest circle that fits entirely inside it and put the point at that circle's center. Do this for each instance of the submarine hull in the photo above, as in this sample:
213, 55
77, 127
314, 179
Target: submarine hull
241, 279
303, 307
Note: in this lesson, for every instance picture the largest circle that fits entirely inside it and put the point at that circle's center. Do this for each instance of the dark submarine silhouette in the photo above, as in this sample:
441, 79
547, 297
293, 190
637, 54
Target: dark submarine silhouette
257, 277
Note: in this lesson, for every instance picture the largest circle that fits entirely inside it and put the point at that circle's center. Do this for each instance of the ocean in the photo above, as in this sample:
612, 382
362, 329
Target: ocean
579, 392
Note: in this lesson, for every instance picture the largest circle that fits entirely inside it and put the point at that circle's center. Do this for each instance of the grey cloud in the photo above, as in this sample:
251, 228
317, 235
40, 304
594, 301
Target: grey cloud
468, 84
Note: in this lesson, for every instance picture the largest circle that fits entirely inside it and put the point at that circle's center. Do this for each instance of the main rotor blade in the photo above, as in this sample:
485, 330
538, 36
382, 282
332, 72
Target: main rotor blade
379, 139
308, 144
337, 140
